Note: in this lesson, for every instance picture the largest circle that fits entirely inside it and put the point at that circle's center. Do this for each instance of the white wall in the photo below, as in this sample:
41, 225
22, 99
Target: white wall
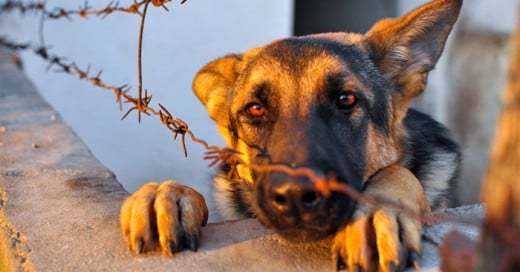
176, 45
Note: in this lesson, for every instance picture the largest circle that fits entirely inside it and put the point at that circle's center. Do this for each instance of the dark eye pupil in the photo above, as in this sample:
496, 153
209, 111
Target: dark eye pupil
346, 101
255, 109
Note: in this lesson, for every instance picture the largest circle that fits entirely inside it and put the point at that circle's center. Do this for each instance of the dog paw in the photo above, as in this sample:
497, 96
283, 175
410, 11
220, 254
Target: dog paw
163, 216
377, 240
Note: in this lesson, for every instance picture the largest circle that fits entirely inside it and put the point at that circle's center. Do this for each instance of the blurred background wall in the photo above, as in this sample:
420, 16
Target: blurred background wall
463, 91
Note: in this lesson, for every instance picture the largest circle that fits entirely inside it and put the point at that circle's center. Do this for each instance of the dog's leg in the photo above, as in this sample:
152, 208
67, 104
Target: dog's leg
166, 216
380, 234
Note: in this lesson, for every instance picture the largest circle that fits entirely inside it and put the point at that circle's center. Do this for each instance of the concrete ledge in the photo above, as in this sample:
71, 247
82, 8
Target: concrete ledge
59, 206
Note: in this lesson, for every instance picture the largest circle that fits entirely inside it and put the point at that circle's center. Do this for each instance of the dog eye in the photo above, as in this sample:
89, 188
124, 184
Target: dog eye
255, 109
346, 100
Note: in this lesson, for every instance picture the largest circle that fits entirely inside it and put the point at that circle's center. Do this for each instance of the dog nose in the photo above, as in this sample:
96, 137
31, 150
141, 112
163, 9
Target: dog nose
290, 198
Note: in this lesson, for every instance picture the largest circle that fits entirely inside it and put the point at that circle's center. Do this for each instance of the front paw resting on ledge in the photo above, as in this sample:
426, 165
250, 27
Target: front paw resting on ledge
166, 216
371, 242
384, 237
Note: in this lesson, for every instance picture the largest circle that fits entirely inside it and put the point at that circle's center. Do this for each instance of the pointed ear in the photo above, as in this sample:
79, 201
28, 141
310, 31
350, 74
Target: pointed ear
407, 48
214, 83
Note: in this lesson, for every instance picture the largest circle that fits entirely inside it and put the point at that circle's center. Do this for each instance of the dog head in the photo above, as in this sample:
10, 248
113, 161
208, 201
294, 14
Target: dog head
333, 103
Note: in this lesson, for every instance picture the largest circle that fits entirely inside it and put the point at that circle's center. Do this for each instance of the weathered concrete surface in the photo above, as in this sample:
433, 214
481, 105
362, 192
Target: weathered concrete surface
60, 206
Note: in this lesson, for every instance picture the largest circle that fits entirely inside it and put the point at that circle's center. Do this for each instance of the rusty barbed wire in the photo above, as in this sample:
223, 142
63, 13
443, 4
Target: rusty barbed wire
83, 11
140, 63
141, 104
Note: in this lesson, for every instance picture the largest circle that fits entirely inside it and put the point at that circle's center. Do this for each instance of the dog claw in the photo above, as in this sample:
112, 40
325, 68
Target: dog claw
193, 242
339, 264
404, 258
139, 246
173, 247
355, 268
415, 257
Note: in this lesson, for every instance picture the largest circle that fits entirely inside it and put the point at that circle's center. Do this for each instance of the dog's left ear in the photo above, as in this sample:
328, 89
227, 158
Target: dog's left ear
406, 48
214, 83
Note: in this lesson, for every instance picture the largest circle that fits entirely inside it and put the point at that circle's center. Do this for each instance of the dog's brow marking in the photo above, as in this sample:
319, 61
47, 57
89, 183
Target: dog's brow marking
315, 79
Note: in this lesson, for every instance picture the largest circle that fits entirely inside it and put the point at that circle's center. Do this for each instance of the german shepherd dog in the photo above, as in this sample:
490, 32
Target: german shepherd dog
334, 103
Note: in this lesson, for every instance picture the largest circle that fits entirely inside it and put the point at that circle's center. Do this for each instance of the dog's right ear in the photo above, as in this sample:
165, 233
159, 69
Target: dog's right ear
214, 83
407, 48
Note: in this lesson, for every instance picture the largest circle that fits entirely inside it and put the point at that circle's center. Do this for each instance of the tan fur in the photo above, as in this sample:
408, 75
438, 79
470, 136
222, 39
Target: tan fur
150, 218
